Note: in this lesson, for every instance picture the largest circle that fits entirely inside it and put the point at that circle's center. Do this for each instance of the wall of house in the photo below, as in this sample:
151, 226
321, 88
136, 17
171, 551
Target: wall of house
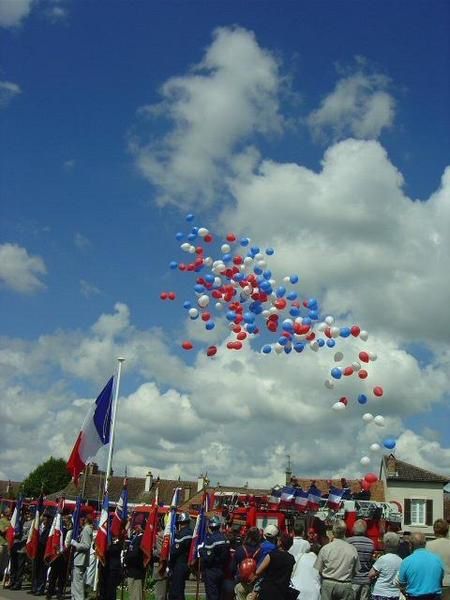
398, 490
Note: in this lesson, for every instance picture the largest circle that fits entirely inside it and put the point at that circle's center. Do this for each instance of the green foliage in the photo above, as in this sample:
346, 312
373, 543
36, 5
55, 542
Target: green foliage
51, 476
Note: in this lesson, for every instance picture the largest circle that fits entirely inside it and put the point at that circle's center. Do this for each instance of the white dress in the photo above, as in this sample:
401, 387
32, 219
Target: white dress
305, 578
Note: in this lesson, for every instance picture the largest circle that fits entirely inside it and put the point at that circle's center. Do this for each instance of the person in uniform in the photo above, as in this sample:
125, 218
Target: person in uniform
214, 557
82, 548
179, 554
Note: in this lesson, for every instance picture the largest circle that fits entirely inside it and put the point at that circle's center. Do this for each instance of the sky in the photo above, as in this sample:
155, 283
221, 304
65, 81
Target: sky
320, 129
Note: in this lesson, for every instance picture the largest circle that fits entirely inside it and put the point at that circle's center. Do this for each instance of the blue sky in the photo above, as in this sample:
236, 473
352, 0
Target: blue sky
78, 195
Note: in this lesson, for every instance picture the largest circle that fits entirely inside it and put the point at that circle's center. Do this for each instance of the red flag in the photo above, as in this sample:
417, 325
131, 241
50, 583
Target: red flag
55, 542
169, 530
15, 525
101, 541
32, 544
150, 532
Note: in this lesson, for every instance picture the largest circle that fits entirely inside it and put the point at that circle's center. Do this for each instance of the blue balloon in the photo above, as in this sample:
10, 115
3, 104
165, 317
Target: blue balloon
294, 312
287, 325
239, 277
293, 279
187, 304
210, 325
292, 296
226, 258
191, 237
267, 274
231, 315
321, 342
254, 250
269, 251
199, 288
299, 347
265, 287
173, 264
345, 332
256, 307
280, 291
312, 304
331, 343
306, 321
251, 327
389, 443
283, 340
179, 236
189, 217
209, 278
362, 399
267, 349
244, 242
194, 230
257, 270
336, 373
287, 349
313, 315
249, 317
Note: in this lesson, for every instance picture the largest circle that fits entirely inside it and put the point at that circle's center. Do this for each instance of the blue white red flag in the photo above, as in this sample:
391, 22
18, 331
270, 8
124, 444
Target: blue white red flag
121, 513
170, 528
200, 530
55, 541
94, 434
275, 497
150, 532
32, 545
76, 519
314, 497
16, 524
287, 493
301, 500
335, 498
102, 539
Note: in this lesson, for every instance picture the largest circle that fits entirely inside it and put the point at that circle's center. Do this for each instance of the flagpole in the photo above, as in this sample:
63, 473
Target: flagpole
120, 360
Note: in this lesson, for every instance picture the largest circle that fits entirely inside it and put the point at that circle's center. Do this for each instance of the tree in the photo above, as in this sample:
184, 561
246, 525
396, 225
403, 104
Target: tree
51, 476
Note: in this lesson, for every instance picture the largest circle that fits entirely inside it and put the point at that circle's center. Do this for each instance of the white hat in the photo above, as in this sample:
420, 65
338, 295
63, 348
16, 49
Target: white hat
271, 531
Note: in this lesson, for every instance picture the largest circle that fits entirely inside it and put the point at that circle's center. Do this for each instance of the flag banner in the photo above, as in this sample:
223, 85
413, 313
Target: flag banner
287, 494
301, 500
335, 498
314, 497
94, 434
76, 518
32, 545
121, 513
169, 530
16, 524
150, 532
275, 497
200, 530
102, 539
55, 541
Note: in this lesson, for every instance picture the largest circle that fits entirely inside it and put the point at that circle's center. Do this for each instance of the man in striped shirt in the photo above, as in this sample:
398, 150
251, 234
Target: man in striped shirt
365, 548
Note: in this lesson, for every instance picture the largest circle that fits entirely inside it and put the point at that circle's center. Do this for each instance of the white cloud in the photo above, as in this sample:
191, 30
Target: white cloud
8, 91
358, 106
69, 165
20, 271
13, 12
230, 95
81, 241
88, 289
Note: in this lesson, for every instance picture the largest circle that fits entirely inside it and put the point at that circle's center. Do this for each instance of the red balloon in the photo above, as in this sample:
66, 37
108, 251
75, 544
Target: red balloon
231, 237
364, 357
365, 485
370, 477
280, 303
272, 325
171, 295
348, 371
236, 329
199, 250
208, 238
211, 351
163, 296
378, 391
238, 260
355, 330
187, 345
327, 332
344, 400
362, 374
241, 336
311, 336
206, 316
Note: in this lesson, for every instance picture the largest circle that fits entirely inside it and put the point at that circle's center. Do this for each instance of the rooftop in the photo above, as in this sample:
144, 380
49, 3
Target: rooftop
399, 470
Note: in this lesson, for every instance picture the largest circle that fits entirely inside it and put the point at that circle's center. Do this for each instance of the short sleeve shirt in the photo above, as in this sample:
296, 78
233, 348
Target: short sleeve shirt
422, 573
387, 567
338, 561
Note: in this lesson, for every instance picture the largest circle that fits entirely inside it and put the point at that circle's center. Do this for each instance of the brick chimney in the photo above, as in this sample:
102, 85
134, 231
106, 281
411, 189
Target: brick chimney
391, 466
148, 482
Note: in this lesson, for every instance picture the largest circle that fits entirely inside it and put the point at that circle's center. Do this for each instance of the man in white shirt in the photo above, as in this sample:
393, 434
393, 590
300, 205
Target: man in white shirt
300, 545
441, 547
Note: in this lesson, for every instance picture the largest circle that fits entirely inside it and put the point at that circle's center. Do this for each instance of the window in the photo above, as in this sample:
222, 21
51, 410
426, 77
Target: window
418, 508
418, 512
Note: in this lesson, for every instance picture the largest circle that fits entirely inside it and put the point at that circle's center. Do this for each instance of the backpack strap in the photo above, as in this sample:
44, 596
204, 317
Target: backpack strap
245, 550
256, 553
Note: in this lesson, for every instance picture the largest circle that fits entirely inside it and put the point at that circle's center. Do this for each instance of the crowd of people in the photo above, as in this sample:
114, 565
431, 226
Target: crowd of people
265, 565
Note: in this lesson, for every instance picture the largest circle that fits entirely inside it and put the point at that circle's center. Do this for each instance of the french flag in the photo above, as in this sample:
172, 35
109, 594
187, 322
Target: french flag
150, 531
301, 500
76, 518
121, 513
102, 539
200, 531
287, 495
335, 498
314, 497
275, 497
169, 530
55, 541
32, 545
16, 524
94, 434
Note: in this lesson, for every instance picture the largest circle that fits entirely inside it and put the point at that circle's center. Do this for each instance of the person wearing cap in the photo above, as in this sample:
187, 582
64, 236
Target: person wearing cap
214, 557
179, 554
276, 570
269, 543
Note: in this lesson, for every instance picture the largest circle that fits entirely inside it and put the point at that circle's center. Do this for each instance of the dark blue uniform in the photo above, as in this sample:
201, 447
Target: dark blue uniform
214, 556
178, 564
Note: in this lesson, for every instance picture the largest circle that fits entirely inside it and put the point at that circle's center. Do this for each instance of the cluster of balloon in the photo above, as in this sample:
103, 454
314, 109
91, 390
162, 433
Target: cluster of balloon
237, 286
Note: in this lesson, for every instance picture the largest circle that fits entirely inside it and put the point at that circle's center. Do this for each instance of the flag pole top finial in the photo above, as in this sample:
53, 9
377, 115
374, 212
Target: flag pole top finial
121, 359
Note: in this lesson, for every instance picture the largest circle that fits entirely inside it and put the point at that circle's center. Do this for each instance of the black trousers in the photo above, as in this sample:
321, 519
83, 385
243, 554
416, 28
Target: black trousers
213, 579
17, 567
57, 577
180, 572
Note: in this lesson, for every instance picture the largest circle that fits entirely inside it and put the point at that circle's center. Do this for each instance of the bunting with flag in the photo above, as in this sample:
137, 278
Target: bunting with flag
32, 545
121, 513
301, 500
335, 498
200, 530
55, 541
16, 524
102, 539
314, 497
169, 529
150, 531
275, 497
287, 495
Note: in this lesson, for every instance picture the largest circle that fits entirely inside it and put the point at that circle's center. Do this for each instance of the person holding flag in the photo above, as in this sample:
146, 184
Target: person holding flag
82, 546
214, 556
17, 535
40, 565
4, 552
121, 513
134, 564
179, 555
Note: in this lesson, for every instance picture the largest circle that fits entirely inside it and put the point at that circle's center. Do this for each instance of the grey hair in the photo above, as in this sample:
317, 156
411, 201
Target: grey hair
418, 540
359, 527
391, 542
339, 529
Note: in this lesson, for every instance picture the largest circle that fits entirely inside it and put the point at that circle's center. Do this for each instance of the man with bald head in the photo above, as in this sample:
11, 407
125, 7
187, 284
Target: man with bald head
422, 572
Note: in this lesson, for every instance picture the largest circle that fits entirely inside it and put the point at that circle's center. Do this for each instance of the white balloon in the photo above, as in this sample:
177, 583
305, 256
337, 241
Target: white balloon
185, 246
248, 260
367, 417
321, 326
259, 256
261, 263
338, 356
356, 366
372, 356
203, 301
208, 261
329, 320
202, 231
365, 460
217, 282
299, 320
193, 313
375, 447
379, 420
273, 310
338, 406
314, 345
364, 336
219, 306
335, 332
225, 248
330, 385
286, 279
191, 249
278, 348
